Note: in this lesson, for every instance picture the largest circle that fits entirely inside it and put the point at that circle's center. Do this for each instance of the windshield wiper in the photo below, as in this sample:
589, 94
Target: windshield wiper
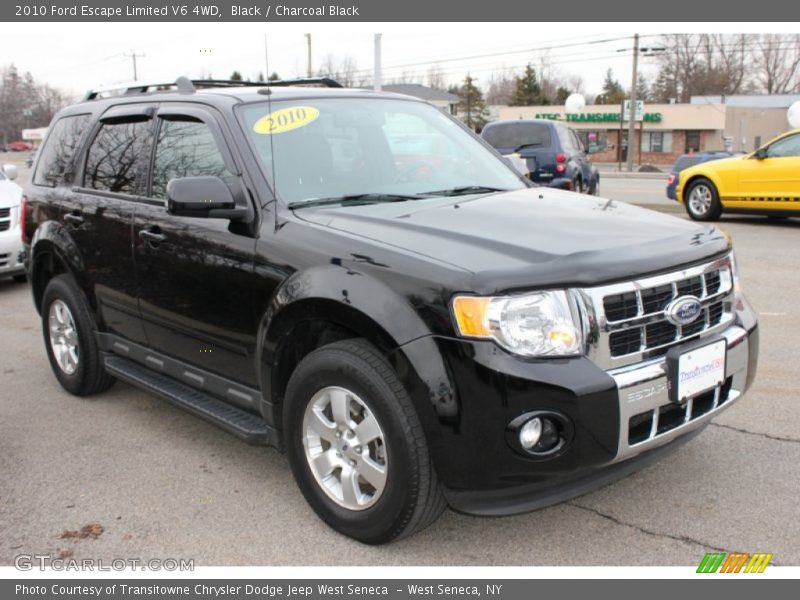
523, 146
372, 198
465, 190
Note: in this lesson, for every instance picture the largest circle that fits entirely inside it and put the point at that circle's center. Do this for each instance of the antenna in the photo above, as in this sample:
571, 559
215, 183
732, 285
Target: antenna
268, 93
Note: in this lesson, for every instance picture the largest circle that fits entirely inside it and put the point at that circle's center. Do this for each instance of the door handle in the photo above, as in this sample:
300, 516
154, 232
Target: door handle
74, 218
154, 237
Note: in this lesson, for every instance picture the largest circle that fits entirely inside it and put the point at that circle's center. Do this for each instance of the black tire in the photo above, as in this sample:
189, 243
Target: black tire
21, 278
411, 498
577, 185
711, 209
89, 377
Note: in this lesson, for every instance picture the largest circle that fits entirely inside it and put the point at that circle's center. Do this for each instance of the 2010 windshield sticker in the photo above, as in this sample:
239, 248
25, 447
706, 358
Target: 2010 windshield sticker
286, 119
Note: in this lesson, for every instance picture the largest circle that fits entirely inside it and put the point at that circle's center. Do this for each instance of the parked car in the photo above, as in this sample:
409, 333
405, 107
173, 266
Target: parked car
11, 248
765, 182
19, 146
412, 334
553, 152
685, 161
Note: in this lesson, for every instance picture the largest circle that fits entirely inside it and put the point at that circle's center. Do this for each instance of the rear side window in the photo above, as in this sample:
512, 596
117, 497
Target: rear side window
684, 162
514, 135
118, 157
186, 148
57, 152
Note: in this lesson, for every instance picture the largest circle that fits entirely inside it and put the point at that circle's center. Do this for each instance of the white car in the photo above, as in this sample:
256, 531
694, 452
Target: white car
11, 249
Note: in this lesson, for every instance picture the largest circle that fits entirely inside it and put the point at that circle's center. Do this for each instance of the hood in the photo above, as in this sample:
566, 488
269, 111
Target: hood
10, 194
530, 237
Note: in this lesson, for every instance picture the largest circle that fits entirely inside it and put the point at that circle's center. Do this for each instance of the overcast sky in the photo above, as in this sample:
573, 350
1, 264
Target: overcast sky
78, 56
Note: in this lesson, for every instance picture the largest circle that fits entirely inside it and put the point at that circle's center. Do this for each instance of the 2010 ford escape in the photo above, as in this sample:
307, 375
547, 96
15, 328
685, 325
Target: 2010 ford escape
356, 278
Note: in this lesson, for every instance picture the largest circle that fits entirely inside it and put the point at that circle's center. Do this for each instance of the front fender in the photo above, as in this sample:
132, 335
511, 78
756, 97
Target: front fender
362, 304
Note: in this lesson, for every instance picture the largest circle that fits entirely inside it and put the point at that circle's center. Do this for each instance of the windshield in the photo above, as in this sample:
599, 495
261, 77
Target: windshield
369, 150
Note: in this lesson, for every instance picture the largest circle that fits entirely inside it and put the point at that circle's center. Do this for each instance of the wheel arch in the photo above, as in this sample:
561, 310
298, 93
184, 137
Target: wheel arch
312, 309
52, 253
696, 177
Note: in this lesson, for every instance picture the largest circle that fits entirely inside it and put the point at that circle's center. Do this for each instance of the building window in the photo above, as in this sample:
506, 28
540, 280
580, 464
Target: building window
657, 141
692, 142
757, 142
593, 141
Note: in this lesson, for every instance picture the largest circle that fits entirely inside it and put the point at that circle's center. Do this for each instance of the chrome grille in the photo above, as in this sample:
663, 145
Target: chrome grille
5, 219
628, 323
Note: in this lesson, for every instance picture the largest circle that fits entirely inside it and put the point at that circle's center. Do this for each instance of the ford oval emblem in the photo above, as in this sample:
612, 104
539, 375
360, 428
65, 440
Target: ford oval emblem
683, 310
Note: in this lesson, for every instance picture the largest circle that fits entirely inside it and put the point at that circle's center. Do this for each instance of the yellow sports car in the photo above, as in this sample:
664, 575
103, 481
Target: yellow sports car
764, 182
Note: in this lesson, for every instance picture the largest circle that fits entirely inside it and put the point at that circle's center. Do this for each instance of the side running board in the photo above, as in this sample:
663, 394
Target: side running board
244, 425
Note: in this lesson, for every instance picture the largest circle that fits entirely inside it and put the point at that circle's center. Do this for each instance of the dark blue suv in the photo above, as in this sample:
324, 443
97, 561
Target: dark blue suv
689, 160
553, 153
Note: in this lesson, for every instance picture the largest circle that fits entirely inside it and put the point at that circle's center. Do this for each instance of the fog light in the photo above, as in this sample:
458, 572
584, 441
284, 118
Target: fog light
549, 437
530, 433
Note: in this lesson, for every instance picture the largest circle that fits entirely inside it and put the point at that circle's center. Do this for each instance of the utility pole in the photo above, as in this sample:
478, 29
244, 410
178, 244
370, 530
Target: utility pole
308, 38
376, 78
632, 110
134, 56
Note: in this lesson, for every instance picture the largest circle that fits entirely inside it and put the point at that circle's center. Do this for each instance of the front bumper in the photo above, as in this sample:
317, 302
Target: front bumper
12, 254
623, 420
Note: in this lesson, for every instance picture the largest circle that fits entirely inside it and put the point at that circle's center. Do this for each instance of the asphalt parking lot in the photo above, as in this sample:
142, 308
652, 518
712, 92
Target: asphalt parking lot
164, 484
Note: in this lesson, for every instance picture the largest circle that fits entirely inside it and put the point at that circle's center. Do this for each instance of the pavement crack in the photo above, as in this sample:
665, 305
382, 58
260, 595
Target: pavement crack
768, 436
678, 538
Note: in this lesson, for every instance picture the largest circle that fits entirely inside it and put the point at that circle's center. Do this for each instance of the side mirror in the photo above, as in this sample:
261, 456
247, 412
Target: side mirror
760, 154
203, 197
10, 171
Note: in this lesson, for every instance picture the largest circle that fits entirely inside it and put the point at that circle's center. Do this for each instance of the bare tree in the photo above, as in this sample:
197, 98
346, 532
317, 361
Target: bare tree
777, 62
501, 87
343, 70
436, 78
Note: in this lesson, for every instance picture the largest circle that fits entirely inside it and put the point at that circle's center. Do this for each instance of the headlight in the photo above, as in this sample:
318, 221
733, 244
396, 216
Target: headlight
536, 324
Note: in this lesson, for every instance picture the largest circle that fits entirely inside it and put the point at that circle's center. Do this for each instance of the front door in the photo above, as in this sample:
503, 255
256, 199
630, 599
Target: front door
196, 275
774, 180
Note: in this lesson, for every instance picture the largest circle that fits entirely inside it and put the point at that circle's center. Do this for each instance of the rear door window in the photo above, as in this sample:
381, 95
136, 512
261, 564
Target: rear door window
118, 157
58, 150
510, 136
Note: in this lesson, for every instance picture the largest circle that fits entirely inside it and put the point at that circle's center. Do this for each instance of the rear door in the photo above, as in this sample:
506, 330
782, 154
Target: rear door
98, 212
196, 275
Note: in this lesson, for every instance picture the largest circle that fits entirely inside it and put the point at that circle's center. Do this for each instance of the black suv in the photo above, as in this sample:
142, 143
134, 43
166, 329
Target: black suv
355, 278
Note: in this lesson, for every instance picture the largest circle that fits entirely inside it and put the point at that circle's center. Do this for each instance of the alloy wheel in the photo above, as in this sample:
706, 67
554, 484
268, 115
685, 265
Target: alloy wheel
63, 337
345, 448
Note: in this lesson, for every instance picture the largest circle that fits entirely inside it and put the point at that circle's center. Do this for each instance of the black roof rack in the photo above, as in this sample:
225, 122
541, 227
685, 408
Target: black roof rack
184, 85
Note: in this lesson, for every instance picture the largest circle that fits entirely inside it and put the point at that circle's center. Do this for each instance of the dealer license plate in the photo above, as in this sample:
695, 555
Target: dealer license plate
700, 369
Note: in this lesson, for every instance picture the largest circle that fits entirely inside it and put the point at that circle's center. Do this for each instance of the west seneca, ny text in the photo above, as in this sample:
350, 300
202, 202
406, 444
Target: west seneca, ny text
170, 11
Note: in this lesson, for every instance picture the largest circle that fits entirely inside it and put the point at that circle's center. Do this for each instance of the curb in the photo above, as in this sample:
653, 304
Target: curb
625, 175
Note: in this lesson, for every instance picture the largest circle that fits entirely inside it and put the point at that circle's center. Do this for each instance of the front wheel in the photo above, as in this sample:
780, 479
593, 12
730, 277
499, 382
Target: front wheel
702, 201
356, 445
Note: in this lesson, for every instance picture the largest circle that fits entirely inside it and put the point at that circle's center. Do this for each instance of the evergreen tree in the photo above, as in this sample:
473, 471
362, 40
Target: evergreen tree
274, 77
527, 90
236, 76
472, 106
562, 94
612, 91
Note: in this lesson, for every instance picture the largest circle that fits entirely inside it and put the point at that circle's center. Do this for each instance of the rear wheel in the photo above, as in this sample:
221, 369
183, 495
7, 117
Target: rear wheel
68, 329
702, 201
356, 446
